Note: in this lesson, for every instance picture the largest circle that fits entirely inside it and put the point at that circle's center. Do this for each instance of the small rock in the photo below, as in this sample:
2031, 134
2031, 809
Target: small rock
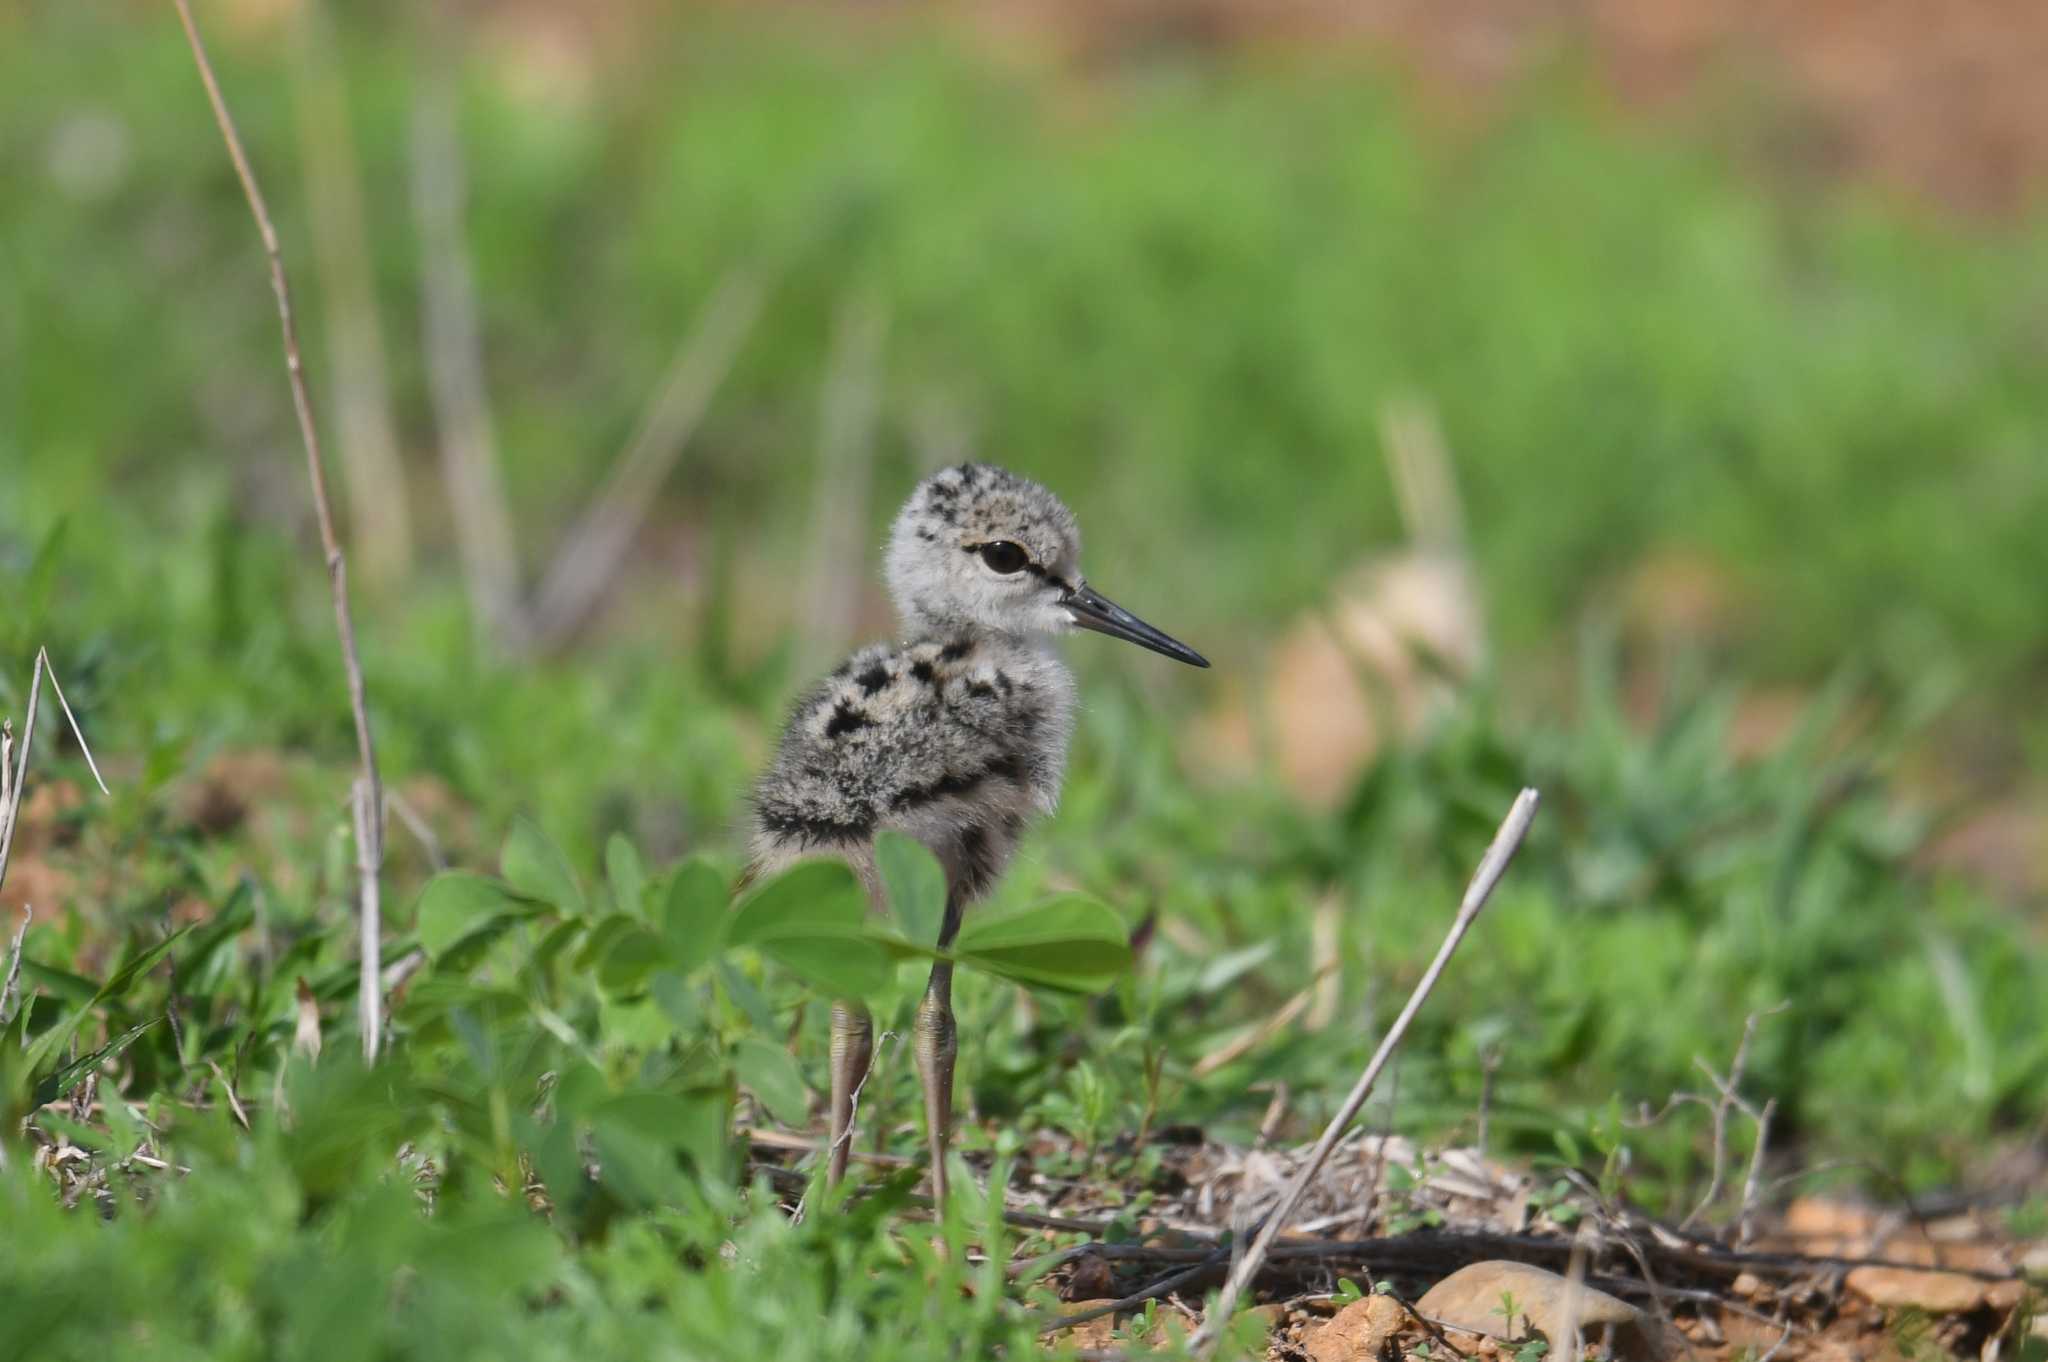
1358, 1332
1747, 1285
2004, 1295
1471, 1299
1938, 1293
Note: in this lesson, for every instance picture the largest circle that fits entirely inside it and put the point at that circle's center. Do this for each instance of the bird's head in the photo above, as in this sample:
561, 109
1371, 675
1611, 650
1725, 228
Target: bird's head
979, 547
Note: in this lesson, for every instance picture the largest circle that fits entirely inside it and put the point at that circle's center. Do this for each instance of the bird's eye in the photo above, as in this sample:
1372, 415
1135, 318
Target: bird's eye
1004, 557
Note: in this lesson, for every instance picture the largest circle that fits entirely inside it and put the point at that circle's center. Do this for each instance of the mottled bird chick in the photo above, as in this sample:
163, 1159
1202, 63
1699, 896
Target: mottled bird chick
956, 736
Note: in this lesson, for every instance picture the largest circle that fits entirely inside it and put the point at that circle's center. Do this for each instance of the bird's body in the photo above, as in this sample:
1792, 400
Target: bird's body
957, 741
956, 736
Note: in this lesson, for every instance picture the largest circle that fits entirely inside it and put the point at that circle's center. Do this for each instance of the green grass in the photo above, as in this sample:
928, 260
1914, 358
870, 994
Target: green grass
1180, 293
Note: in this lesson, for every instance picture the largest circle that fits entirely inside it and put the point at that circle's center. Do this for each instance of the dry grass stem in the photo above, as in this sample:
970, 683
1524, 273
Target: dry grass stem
455, 370
1419, 463
1727, 1100
370, 461
1243, 1044
1491, 867
370, 818
848, 408
14, 766
597, 544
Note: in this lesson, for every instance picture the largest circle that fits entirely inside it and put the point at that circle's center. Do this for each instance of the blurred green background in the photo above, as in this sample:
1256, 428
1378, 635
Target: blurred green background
1741, 400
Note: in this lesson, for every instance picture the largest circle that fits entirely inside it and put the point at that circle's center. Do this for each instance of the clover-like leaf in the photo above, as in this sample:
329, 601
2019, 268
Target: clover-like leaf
768, 1071
693, 913
915, 883
1072, 943
812, 920
456, 903
626, 874
631, 957
534, 866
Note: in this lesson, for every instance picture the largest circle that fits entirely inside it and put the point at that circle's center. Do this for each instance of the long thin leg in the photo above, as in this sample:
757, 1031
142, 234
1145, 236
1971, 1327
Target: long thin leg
937, 1046
853, 1046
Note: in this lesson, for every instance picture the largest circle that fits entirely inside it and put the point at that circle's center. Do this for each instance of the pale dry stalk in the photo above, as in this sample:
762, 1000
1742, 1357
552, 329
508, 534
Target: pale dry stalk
1491, 867
455, 370
370, 821
597, 544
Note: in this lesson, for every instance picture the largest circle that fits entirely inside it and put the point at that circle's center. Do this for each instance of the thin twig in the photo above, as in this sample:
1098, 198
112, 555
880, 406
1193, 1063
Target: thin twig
597, 544
1164, 1286
234, 1102
1745, 1221
1435, 1329
43, 661
14, 778
370, 826
1728, 1100
18, 786
845, 1139
1491, 867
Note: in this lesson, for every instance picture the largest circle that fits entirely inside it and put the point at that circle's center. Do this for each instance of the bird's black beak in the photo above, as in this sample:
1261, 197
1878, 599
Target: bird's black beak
1090, 609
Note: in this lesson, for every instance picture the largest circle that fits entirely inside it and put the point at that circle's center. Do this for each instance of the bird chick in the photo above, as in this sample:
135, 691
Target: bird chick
956, 736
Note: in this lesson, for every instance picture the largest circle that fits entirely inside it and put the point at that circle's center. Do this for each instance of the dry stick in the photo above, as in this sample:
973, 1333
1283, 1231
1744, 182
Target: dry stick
1164, 1286
1745, 1221
18, 785
455, 372
598, 542
1729, 1099
370, 823
1495, 863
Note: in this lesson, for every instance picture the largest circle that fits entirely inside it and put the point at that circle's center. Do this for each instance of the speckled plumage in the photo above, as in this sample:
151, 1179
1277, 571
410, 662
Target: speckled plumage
958, 735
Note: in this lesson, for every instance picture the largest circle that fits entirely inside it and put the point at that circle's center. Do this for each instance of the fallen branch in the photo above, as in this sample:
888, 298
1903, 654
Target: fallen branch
1491, 867
370, 786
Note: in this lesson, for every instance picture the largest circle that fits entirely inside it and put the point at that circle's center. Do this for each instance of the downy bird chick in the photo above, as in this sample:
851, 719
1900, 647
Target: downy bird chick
956, 736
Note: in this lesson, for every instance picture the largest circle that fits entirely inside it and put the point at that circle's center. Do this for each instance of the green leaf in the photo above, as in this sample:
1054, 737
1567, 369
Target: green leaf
770, 1073
532, 864
62, 983
678, 1002
693, 913
63, 1080
915, 883
634, 954
812, 919
603, 937
843, 966
638, 1136
456, 903
238, 912
626, 874
1072, 943
55, 1038
811, 898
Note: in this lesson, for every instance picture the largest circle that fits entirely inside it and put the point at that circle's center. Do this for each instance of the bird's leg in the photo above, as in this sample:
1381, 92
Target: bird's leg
937, 1045
853, 1046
